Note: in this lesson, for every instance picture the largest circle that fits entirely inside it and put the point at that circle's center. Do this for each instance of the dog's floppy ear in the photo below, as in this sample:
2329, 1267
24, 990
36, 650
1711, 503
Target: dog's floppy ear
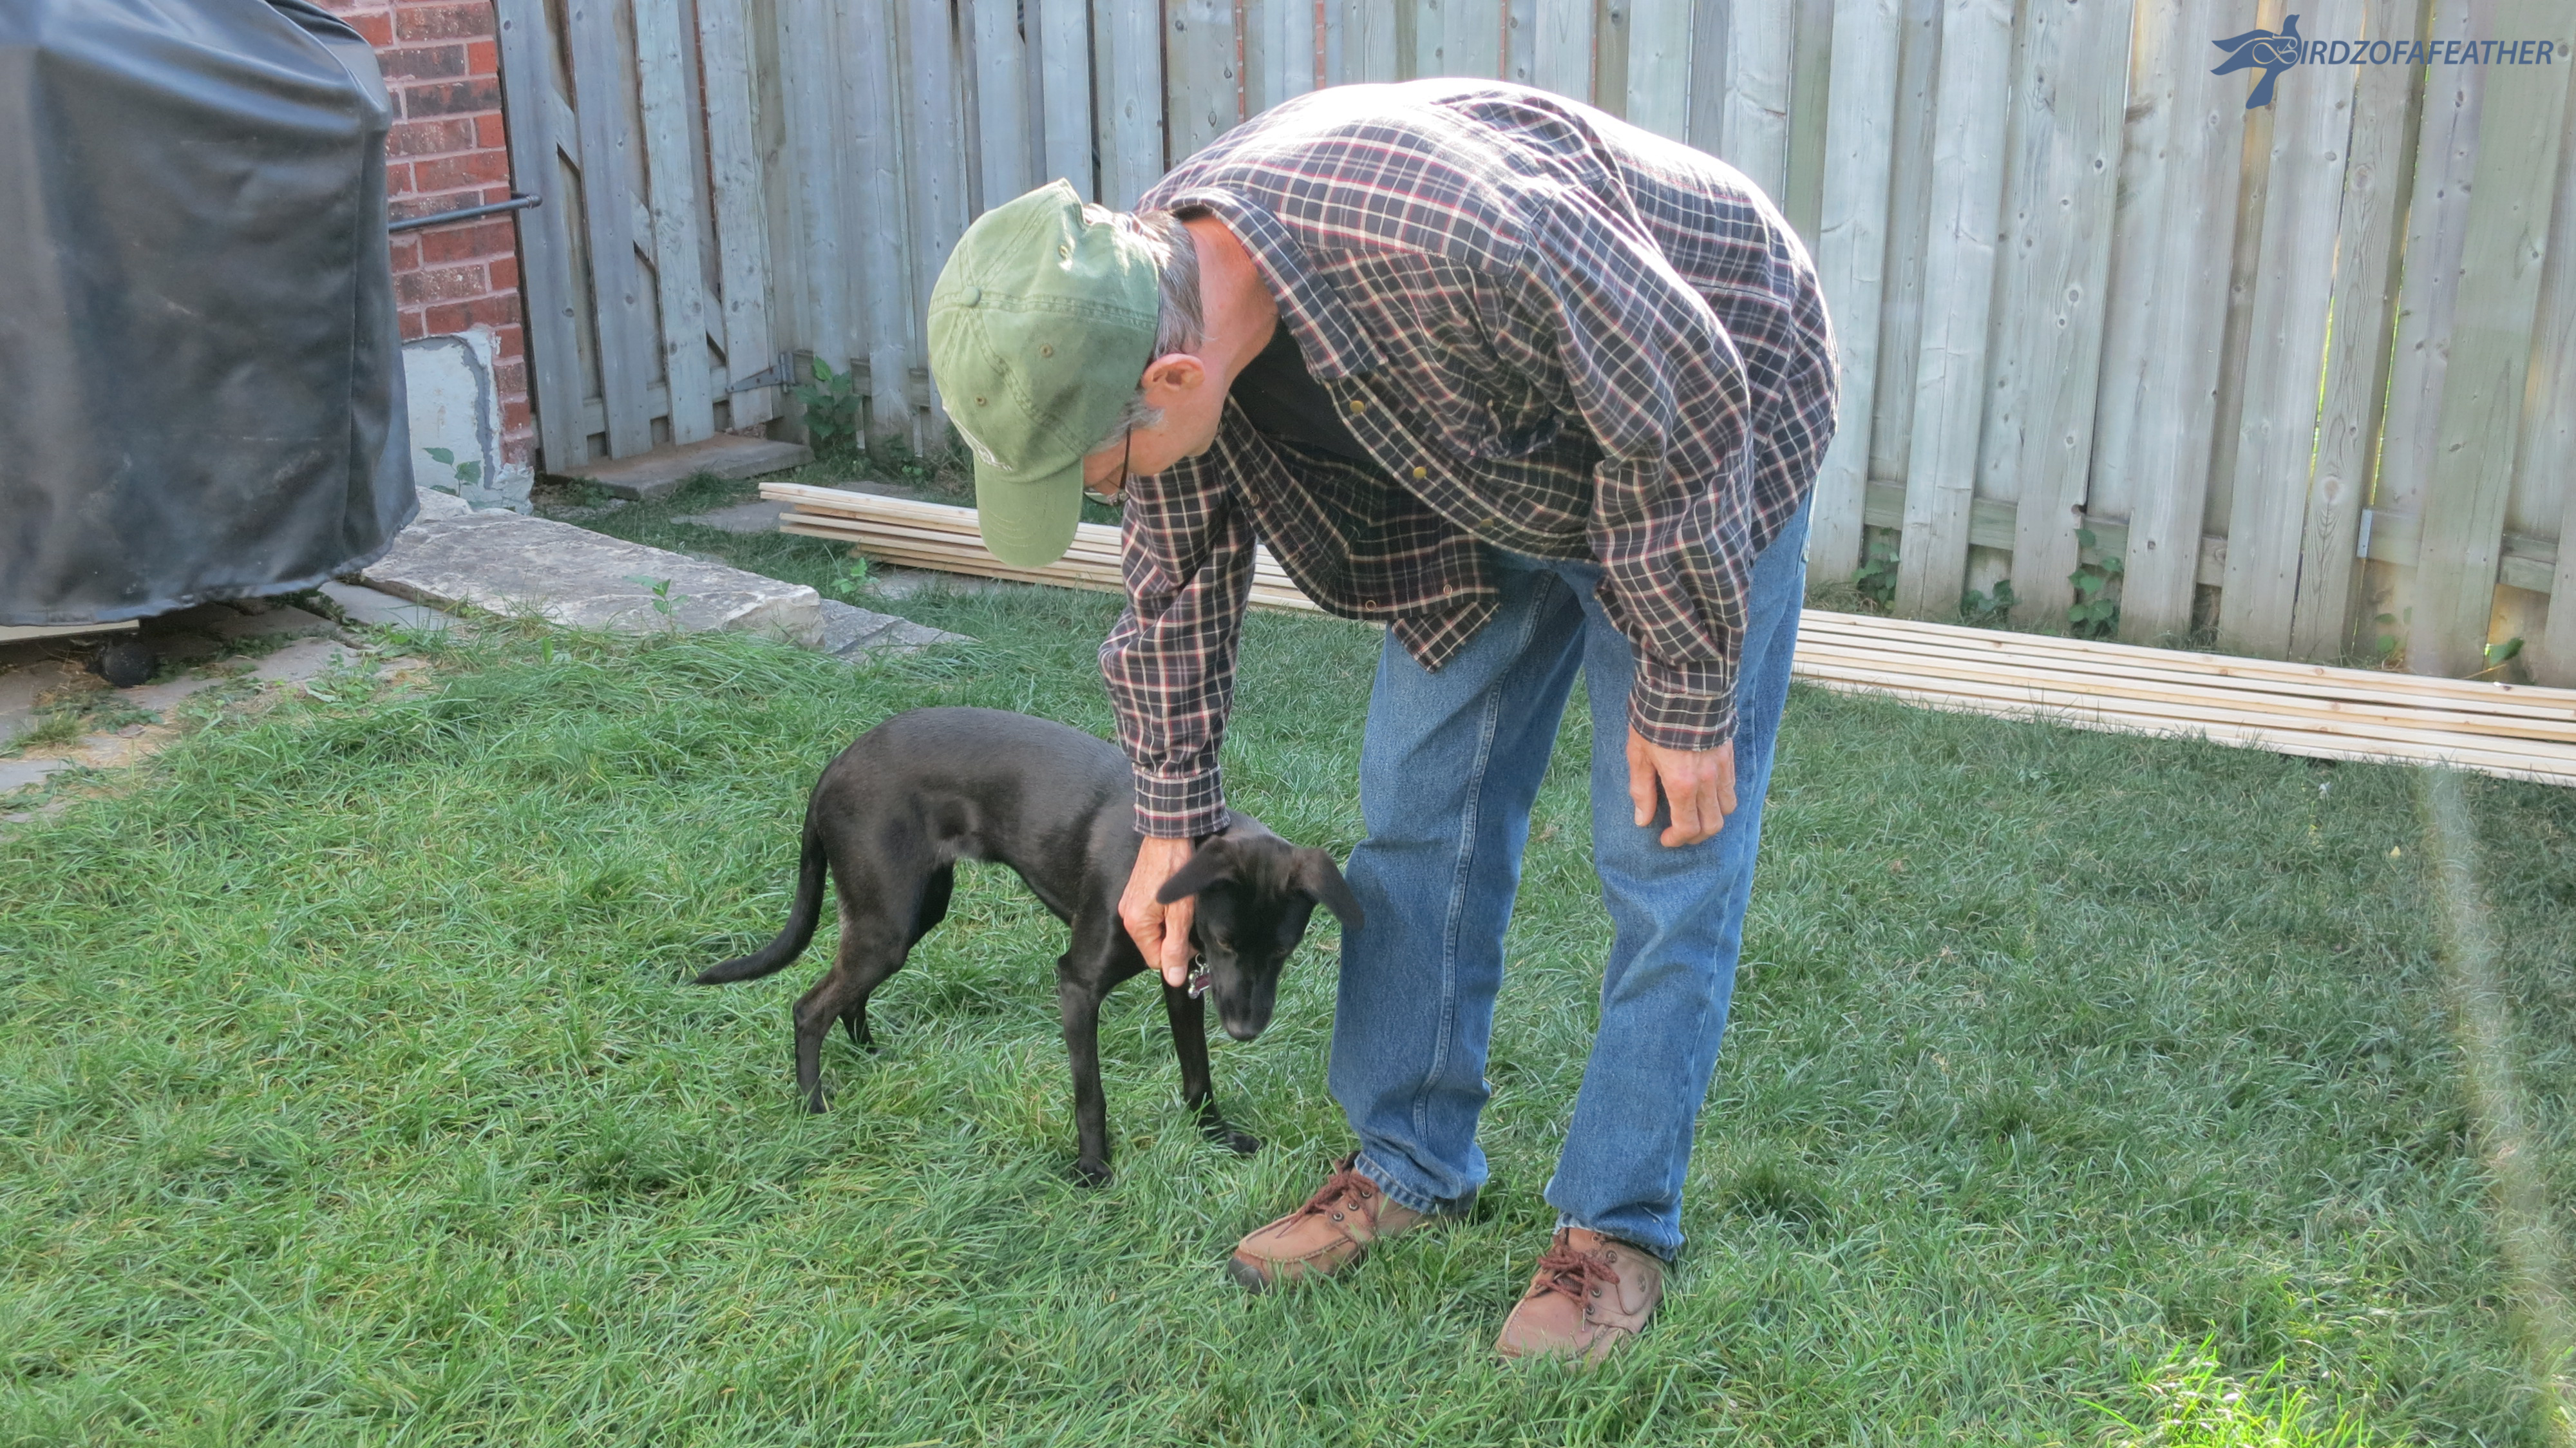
1212, 865
1320, 880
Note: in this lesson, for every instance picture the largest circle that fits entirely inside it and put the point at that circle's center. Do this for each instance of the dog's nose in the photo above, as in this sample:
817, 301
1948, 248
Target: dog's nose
1242, 1030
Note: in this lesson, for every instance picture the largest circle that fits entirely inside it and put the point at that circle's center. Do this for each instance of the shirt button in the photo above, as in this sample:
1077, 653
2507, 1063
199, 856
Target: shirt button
1419, 473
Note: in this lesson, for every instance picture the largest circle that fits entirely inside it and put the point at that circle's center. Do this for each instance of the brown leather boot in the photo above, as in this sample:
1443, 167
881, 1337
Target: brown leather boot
1591, 1295
1334, 1230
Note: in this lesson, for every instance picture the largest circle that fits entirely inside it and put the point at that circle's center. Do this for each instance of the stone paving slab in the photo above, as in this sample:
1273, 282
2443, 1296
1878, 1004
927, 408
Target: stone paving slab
383, 610
662, 470
757, 516
851, 633
511, 564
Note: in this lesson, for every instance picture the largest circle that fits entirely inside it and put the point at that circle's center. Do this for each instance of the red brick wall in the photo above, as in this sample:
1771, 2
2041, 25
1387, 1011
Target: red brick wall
442, 63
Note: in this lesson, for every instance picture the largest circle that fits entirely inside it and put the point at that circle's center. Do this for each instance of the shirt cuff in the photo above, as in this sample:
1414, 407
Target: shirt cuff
1690, 708
1185, 806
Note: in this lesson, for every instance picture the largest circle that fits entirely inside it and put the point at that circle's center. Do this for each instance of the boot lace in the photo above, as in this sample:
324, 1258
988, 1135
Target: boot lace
1346, 1184
1571, 1272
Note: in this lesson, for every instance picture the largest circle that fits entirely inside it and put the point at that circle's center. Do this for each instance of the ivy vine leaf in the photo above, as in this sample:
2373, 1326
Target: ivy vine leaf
440, 455
469, 472
2084, 539
2499, 653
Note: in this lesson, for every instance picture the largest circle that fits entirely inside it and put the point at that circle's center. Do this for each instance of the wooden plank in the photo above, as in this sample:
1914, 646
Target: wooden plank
1761, 57
2051, 291
878, 235
548, 297
1851, 252
939, 163
1659, 66
1909, 216
1810, 107
1063, 39
618, 301
1289, 49
1711, 22
1203, 91
2285, 346
1129, 71
2549, 427
1561, 61
1520, 41
1001, 86
671, 176
2436, 225
2178, 284
2377, 182
1369, 51
2520, 131
1610, 56
741, 207
1471, 38
1959, 275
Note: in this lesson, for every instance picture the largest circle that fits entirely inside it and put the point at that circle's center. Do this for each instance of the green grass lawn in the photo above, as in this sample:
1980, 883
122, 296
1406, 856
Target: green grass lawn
349, 1094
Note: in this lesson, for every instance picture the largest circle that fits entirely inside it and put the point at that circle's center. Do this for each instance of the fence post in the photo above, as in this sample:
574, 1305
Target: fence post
2549, 429
1851, 253
549, 298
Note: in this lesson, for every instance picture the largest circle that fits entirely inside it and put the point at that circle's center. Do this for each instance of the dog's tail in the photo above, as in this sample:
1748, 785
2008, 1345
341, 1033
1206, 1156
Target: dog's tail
801, 919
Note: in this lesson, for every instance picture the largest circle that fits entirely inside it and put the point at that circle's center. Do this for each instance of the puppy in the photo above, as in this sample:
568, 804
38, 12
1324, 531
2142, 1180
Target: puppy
895, 811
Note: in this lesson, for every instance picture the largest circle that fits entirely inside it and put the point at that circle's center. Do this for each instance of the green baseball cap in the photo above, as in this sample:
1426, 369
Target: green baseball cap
1040, 328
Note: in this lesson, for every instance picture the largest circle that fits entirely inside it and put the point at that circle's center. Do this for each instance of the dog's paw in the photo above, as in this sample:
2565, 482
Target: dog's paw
1241, 1143
1090, 1174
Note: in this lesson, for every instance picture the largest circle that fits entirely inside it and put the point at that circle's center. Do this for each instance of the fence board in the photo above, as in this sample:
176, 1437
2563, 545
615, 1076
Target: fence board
741, 210
875, 221
1471, 38
2285, 353
1063, 40
1761, 44
1005, 126
1851, 252
2179, 289
1203, 97
1909, 216
548, 298
2051, 287
1959, 268
2520, 130
1659, 66
933, 129
1610, 56
2436, 227
671, 178
1810, 103
1130, 110
1562, 60
2549, 427
625, 327
2378, 176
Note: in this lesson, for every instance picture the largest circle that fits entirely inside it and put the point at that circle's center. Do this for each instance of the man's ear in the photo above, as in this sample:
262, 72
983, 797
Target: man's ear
1170, 377
1212, 865
1320, 880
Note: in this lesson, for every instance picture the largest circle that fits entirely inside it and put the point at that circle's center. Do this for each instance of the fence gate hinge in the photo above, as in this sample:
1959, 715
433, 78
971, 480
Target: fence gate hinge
779, 374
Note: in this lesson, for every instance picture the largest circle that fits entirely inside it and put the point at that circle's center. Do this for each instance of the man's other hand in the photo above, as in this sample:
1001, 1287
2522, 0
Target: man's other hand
1161, 931
1698, 783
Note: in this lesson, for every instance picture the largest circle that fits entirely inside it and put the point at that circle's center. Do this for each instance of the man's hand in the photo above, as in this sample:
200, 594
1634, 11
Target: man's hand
1699, 783
1161, 931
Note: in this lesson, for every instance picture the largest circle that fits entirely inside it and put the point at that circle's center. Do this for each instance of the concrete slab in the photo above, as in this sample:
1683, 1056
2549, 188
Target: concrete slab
435, 504
281, 621
893, 584
660, 471
304, 660
17, 774
758, 516
852, 633
510, 564
361, 604
20, 689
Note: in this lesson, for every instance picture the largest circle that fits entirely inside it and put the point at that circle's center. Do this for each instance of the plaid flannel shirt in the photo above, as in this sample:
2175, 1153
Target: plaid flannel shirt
1555, 333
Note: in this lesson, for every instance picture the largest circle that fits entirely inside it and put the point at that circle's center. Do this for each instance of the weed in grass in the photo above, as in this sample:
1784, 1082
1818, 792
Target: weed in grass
350, 1092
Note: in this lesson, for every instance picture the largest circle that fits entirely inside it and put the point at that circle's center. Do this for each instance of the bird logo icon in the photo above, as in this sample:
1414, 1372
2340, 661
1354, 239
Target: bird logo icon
2274, 50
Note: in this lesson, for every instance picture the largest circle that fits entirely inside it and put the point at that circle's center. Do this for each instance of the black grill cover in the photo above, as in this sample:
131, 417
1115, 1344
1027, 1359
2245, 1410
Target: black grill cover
200, 374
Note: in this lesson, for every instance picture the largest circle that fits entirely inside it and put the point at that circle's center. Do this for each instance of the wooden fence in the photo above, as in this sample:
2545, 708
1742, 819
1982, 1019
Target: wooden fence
2307, 372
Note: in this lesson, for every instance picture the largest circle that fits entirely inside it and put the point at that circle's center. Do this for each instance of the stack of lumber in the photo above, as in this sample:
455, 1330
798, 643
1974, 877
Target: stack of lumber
2508, 730
936, 536
2512, 731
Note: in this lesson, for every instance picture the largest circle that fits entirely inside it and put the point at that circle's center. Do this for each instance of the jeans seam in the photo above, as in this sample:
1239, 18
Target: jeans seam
1470, 819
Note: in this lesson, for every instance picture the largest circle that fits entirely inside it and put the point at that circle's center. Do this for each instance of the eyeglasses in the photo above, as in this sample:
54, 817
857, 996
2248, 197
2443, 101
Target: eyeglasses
1118, 492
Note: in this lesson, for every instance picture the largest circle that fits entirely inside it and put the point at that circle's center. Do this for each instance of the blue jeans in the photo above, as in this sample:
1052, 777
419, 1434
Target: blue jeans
1451, 763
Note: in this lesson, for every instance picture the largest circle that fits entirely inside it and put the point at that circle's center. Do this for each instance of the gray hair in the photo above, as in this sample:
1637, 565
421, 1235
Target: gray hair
1180, 325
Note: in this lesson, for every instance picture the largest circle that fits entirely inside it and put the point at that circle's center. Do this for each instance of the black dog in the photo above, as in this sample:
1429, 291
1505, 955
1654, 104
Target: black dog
895, 812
